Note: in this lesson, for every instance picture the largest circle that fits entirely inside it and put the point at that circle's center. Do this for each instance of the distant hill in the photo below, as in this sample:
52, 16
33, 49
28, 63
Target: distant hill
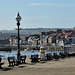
27, 31
6, 35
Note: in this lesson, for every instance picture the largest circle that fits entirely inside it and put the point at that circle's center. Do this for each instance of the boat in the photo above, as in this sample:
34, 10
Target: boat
32, 51
25, 50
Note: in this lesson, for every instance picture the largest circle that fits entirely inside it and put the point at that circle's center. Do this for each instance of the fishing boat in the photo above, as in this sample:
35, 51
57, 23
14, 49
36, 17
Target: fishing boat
32, 51
25, 50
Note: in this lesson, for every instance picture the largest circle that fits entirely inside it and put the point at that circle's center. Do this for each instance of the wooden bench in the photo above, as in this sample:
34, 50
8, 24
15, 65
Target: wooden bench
1, 63
56, 56
49, 56
23, 58
34, 58
62, 55
12, 61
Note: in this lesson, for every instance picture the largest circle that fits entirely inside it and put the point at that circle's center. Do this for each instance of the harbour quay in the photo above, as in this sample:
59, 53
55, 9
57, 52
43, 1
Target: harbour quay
61, 67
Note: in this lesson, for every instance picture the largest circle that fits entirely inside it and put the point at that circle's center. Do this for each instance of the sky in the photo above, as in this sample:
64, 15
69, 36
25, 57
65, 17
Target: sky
37, 13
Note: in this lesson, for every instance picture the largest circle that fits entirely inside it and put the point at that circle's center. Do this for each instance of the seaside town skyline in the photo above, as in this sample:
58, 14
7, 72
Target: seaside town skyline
37, 14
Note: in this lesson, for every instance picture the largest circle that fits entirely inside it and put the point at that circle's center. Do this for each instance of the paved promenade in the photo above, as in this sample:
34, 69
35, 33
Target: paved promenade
61, 67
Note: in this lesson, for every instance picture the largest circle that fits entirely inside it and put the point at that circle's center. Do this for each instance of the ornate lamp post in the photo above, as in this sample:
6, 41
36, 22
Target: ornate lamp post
18, 19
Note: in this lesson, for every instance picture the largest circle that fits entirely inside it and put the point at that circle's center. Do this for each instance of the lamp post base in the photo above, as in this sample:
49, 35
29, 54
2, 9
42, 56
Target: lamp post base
18, 56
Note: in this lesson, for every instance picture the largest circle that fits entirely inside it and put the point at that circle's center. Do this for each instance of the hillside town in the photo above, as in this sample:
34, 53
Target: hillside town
51, 38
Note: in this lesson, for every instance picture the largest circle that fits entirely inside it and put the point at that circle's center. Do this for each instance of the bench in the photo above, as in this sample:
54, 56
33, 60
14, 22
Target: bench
1, 63
62, 55
34, 58
56, 56
71, 55
23, 58
49, 56
12, 61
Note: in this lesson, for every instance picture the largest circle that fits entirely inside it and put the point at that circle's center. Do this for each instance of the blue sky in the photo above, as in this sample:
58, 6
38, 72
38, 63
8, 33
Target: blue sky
37, 13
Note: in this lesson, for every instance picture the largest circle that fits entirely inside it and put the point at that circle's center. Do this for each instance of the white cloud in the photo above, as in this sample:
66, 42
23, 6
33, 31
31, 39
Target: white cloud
50, 4
35, 18
38, 4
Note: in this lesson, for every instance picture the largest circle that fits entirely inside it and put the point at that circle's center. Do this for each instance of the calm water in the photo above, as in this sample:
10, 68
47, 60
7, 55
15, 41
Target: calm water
27, 53
14, 53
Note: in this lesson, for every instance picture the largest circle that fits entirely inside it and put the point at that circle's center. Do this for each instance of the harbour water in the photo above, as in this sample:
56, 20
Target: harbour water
5, 55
